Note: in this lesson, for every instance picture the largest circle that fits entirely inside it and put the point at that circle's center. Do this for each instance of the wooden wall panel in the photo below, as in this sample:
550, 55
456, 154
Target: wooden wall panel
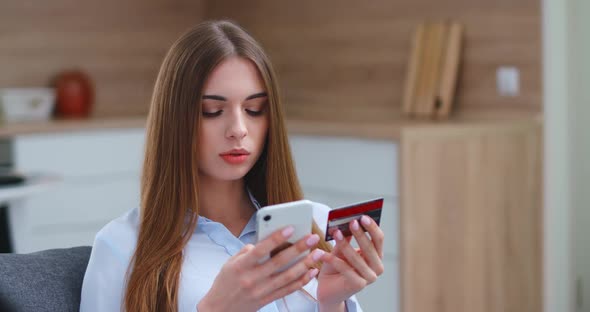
120, 44
471, 218
347, 59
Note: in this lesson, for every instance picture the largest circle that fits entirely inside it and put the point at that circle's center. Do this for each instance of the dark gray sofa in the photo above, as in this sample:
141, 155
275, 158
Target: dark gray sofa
48, 280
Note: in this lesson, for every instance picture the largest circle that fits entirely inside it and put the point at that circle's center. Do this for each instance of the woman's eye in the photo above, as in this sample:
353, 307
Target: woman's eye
254, 112
212, 114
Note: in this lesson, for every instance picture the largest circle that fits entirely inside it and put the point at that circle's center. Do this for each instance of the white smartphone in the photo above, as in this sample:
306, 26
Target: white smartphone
269, 219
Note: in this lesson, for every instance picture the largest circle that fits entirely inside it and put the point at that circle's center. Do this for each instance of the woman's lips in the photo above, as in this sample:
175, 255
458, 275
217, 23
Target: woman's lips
235, 156
234, 159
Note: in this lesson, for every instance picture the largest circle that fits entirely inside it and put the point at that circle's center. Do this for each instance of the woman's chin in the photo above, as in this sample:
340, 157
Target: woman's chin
233, 174
225, 172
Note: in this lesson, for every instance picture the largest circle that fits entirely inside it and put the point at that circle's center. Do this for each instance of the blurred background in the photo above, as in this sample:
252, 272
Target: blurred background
485, 208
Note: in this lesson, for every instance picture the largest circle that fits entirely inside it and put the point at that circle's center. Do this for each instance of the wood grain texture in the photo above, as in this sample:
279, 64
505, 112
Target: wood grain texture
471, 218
70, 125
120, 44
423, 97
452, 56
348, 59
413, 70
430, 79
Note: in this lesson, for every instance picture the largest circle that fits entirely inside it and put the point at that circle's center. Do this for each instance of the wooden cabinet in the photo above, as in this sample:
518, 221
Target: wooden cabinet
471, 218
463, 225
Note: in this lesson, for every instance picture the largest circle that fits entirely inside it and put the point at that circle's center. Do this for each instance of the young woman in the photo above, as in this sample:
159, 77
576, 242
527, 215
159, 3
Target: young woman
216, 151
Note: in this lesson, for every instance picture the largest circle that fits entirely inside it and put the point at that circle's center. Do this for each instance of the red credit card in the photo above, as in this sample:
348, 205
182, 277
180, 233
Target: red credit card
339, 218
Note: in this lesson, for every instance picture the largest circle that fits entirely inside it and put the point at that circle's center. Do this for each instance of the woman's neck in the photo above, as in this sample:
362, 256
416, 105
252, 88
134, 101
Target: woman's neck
226, 202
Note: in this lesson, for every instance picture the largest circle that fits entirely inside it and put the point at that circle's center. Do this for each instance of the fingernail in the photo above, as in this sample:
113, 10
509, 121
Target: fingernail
355, 225
317, 254
313, 273
312, 240
365, 220
339, 235
288, 231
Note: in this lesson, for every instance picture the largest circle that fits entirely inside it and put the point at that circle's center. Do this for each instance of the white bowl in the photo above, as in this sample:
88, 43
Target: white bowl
26, 104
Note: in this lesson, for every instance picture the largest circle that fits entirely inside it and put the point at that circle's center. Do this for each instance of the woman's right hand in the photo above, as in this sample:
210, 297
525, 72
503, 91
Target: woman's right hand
243, 284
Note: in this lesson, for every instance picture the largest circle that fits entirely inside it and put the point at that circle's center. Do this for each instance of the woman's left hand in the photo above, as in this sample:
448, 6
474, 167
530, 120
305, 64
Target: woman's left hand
347, 270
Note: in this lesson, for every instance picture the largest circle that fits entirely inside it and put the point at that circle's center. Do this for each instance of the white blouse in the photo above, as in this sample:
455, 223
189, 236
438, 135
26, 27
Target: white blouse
210, 246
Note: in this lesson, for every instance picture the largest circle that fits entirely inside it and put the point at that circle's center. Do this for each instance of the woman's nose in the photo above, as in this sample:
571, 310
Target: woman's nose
237, 128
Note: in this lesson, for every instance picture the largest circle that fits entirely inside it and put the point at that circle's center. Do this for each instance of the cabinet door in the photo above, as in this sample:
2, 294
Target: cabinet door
339, 171
471, 218
81, 154
346, 164
100, 181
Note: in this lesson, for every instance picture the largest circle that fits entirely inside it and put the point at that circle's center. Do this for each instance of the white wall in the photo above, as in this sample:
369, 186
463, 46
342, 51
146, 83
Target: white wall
566, 48
557, 260
580, 146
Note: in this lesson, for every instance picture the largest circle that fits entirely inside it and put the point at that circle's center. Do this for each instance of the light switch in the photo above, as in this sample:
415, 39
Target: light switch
508, 80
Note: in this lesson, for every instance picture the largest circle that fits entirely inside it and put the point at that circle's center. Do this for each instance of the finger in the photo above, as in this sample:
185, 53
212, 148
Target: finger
287, 255
280, 280
367, 247
356, 261
247, 248
375, 232
241, 256
338, 236
263, 248
346, 270
290, 288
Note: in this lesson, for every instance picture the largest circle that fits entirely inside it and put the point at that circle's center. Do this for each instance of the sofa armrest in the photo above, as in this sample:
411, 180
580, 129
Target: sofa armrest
48, 280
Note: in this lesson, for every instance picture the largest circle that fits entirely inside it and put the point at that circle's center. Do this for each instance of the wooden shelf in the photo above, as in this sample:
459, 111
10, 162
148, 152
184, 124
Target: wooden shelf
66, 125
391, 130
385, 131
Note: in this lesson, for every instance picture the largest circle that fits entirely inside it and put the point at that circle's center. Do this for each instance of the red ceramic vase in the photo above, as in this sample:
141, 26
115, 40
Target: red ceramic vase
74, 95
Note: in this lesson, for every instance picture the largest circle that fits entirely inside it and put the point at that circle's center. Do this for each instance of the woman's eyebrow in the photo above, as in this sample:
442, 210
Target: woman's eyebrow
223, 99
257, 95
214, 97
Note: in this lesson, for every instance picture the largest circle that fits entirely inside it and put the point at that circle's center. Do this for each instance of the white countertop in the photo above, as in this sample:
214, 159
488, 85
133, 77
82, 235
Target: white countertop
35, 183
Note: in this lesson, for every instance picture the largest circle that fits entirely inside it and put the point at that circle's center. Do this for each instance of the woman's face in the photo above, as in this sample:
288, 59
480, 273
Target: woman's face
234, 120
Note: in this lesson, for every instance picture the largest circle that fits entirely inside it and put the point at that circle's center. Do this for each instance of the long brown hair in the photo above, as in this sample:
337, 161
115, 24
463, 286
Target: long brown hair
170, 185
